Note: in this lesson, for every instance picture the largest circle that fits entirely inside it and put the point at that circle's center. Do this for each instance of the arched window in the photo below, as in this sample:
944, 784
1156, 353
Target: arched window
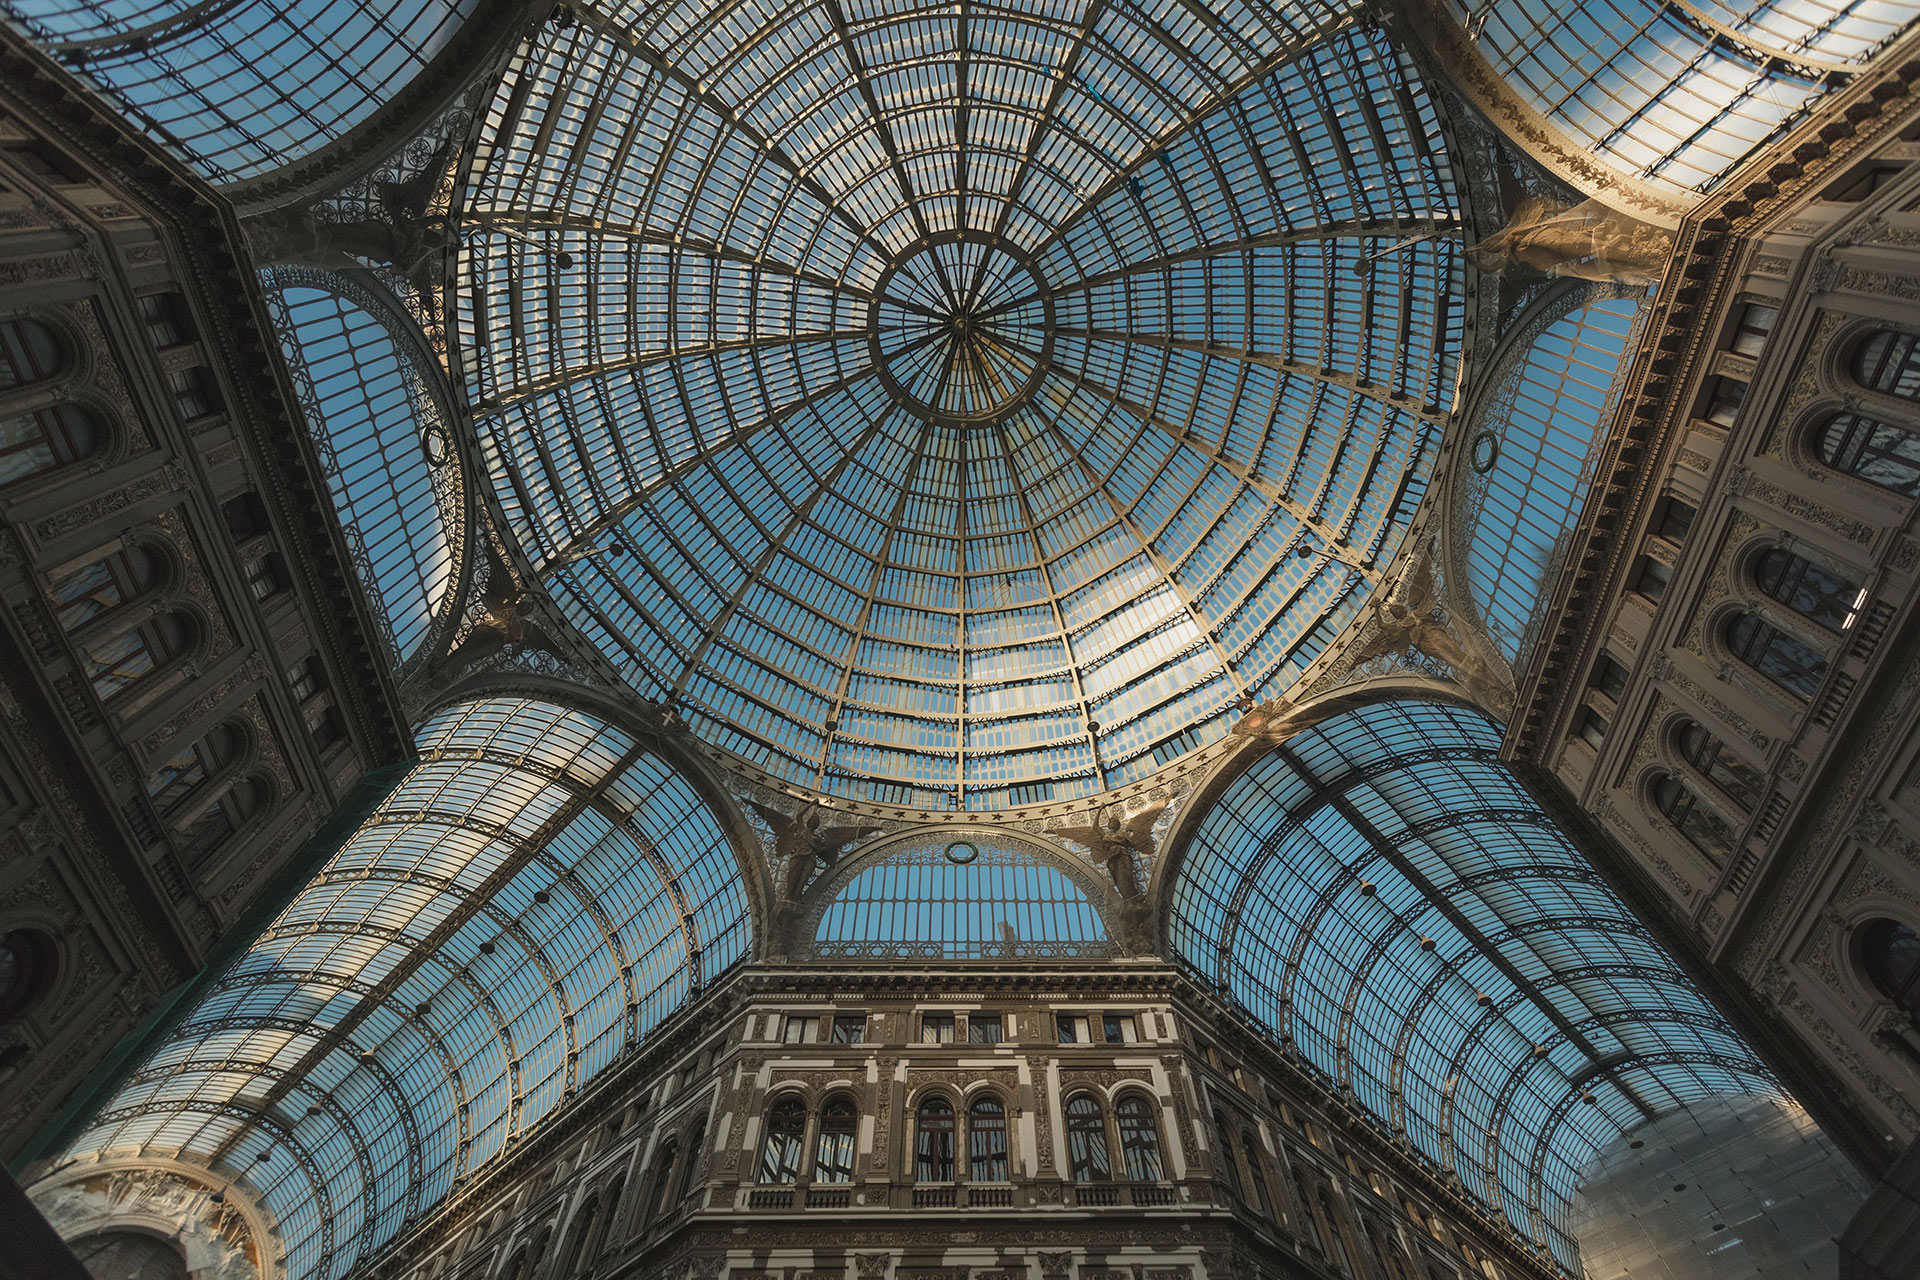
1087, 1140
227, 815
786, 1132
663, 1180
1336, 1239
1701, 826
1257, 1183
1223, 1145
583, 1229
26, 969
833, 1154
1722, 767
615, 1190
117, 661
174, 785
29, 352
1890, 953
1794, 666
987, 1140
1887, 361
1309, 1224
1139, 1139
1807, 589
105, 584
690, 1172
517, 1268
32, 443
934, 1141
1874, 451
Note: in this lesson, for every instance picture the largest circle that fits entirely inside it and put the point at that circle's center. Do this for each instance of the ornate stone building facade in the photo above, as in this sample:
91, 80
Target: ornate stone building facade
189, 686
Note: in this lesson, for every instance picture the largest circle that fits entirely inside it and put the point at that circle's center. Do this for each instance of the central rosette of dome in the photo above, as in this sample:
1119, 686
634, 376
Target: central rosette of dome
961, 328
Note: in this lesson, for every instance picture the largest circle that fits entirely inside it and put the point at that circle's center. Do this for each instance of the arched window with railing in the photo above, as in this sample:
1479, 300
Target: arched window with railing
987, 1140
1256, 1172
584, 1223
662, 1198
1790, 663
1889, 361
690, 1170
1087, 1157
786, 1134
98, 587
1703, 828
1717, 763
1810, 590
1139, 1139
1872, 450
178, 783
833, 1150
37, 441
30, 352
1223, 1147
933, 1141
117, 661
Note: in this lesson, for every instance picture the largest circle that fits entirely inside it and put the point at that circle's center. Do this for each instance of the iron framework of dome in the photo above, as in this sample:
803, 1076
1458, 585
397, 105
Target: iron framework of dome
960, 406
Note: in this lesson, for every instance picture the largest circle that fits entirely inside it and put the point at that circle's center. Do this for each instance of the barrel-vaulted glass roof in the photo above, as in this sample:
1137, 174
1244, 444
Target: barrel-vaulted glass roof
240, 87
535, 896
1678, 92
959, 405
1385, 897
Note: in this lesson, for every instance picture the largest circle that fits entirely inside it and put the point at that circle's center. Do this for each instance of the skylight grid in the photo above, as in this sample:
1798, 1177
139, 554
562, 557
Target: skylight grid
932, 490
411, 1008
1306, 895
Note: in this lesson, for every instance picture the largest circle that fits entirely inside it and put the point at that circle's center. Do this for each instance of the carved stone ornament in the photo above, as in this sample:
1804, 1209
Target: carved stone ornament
1054, 1264
871, 1266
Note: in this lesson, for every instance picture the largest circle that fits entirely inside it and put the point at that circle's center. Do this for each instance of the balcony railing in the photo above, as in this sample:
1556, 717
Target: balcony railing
933, 1197
829, 1197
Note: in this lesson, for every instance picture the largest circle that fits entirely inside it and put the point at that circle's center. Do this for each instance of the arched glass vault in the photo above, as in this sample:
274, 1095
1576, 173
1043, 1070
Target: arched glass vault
1383, 896
960, 405
1678, 92
535, 896
240, 87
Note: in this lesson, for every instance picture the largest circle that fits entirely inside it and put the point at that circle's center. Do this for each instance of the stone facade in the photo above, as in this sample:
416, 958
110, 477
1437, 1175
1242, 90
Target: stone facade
188, 684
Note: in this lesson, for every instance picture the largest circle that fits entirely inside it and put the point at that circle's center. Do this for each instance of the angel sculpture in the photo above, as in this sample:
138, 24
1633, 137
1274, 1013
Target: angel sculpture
1272, 721
1416, 619
1113, 840
1589, 241
803, 846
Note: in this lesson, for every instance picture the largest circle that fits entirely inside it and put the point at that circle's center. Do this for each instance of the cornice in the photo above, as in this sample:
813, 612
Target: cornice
1705, 268
209, 256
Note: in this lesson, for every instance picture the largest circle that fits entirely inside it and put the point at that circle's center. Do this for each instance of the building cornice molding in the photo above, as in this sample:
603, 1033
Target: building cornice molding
1706, 265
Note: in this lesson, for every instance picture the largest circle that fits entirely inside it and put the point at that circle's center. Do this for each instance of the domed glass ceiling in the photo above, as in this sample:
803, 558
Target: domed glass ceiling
960, 405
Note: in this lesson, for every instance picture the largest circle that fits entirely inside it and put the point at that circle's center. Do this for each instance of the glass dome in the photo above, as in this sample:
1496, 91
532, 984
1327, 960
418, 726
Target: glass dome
960, 409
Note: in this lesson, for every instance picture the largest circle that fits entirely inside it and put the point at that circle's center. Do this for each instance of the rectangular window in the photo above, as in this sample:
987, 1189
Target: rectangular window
194, 391
1592, 728
936, 1028
1756, 322
1725, 404
166, 319
1074, 1029
1120, 1028
849, 1028
1610, 678
1653, 578
985, 1028
266, 575
1676, 520
306, 679
798, 1031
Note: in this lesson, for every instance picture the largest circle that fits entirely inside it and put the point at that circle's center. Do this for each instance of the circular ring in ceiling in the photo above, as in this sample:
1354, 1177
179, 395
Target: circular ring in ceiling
961, 327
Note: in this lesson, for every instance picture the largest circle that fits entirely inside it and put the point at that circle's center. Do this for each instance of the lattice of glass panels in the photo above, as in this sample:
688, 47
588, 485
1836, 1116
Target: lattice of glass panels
1674, 91
535, 896
240, 87
958, 406
363, 400
1383, 895
1546, 425
963, 896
